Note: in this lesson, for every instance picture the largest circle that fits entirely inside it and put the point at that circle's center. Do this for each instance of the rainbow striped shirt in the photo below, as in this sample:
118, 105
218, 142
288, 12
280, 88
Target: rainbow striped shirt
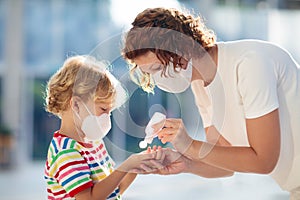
72, 167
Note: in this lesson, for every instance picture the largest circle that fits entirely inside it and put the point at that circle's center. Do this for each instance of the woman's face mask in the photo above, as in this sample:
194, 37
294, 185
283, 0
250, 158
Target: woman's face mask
95, 127
175, 82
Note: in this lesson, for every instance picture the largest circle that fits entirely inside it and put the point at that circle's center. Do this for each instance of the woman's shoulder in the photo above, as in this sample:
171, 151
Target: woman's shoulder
252, 49
243, 40
250, 44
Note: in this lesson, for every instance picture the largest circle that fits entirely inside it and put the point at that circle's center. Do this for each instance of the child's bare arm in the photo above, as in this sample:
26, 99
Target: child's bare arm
104, 188
126, 182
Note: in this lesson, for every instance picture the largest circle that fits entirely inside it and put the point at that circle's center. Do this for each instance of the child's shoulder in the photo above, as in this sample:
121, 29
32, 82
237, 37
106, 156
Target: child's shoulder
63, 146
61, 143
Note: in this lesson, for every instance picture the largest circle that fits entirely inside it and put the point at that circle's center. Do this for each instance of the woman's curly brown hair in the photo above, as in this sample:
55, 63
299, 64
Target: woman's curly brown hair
81, 76
168, 33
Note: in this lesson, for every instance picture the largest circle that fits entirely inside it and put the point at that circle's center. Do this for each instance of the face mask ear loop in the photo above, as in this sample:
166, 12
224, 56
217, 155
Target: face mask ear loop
80, 135
190, 64
76, 114
87, 108
77, 130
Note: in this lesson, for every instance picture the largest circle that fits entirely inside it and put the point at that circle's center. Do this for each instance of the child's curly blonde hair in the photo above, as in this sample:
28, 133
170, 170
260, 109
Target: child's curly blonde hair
81, 76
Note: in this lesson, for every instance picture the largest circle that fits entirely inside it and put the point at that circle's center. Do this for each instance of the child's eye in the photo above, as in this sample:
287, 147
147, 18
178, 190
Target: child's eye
104, 109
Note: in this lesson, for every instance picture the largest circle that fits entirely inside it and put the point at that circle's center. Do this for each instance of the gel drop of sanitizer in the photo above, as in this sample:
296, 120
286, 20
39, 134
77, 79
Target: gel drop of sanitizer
150, 135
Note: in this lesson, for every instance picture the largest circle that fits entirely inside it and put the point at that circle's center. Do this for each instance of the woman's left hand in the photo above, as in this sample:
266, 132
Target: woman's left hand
174, 163
174, 131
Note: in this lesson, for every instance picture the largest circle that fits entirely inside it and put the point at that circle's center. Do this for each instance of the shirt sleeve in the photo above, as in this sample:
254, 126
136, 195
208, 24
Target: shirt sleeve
257, 85
71, 171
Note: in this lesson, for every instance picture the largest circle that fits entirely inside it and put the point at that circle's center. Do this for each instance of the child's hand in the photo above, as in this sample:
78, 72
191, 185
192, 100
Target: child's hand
170, 161
144, 162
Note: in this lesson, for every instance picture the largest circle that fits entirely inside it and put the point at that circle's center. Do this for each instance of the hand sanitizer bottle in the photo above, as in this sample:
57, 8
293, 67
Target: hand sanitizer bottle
150, 134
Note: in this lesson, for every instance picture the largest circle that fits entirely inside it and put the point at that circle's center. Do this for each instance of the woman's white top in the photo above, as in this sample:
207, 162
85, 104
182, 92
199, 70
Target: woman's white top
254, 78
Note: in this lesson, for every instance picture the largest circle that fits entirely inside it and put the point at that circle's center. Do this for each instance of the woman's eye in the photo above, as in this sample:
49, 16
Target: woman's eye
157, 67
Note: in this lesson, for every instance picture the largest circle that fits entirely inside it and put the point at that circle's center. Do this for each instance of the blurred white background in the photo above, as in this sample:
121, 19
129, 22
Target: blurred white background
37, 35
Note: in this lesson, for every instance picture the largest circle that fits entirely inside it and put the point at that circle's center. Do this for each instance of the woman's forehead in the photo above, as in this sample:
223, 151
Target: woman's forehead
147, 58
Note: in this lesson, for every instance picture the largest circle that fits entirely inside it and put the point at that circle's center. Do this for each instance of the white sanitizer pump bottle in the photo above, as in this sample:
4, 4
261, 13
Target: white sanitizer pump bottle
150, 134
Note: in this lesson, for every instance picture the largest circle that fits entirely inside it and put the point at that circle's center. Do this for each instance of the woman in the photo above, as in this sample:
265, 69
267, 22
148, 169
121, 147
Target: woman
247, 92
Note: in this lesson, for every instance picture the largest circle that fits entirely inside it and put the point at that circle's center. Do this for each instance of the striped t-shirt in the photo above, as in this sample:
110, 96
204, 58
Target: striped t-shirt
72, 167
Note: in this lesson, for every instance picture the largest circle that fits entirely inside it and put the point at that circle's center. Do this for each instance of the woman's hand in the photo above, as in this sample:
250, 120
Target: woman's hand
174, 131
173, 163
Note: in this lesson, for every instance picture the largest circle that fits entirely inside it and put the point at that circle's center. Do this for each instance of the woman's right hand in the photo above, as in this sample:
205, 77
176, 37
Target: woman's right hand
174, 132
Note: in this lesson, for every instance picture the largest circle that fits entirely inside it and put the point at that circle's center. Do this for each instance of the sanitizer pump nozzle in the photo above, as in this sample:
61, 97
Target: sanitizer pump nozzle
150, 134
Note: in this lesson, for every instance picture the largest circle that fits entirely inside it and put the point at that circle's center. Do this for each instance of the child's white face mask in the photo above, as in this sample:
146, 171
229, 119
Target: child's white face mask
95, 127
175, 82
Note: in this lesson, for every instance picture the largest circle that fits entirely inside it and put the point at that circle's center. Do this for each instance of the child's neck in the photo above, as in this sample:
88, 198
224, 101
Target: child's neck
68, 128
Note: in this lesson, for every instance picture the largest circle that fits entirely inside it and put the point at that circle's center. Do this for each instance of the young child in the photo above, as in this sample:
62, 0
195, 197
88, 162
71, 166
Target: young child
81, 93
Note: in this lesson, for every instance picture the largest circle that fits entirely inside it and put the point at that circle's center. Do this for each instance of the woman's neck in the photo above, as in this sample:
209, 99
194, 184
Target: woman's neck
205, 68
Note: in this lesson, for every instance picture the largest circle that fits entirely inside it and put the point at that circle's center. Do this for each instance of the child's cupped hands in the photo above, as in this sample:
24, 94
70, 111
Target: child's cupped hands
156, 160
144, 162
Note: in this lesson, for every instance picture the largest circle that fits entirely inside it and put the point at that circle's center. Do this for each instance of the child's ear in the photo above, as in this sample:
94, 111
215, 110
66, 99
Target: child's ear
74, 103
